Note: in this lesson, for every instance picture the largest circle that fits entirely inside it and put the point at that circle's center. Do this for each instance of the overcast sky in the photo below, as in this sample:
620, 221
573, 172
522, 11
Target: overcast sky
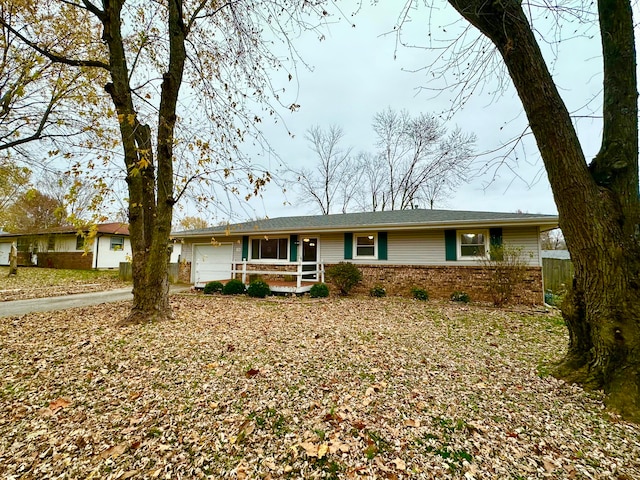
355, 75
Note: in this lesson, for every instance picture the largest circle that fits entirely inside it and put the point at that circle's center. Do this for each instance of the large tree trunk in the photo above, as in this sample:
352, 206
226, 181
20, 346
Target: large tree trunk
150, 198
597, 204
13, 261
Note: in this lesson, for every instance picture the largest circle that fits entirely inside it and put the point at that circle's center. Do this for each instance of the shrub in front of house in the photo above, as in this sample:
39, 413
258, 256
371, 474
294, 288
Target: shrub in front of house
212, 287
345, 276
377, 291
420, 294
258, 289
552, 299
506, 269
319, 290
461, 297
233, 287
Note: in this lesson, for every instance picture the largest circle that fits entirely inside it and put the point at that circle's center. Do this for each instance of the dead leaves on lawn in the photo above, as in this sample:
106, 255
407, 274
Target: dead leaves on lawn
347, 388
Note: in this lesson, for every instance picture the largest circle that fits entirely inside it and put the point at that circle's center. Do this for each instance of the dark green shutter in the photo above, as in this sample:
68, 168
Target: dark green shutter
382, 245
293, 248
495, 240
348, 246
450, 247
245, 248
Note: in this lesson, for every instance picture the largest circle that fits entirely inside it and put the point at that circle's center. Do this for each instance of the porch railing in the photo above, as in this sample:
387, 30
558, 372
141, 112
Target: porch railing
298, 273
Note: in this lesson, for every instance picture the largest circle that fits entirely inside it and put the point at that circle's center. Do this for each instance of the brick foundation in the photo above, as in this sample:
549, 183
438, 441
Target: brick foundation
24, 259
70, 260
184, 272
439, 281
442, 281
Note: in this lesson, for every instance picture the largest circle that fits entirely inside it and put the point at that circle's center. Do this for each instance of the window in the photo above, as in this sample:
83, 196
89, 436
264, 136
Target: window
365, 245
473, 244
51, 243
269, 249
23, 245
117, 243
80, 242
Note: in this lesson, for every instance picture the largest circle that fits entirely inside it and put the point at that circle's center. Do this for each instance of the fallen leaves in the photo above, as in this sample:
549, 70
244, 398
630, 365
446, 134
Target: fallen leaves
52, 282
55, 406
348, 388
113, 452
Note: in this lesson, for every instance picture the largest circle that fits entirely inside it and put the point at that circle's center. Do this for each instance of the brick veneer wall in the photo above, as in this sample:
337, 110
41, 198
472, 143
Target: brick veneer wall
72, 260
439, 281
24, 259
184, 272
442, 281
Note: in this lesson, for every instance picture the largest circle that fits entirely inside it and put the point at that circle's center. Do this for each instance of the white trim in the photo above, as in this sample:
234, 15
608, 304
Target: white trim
545, 222
480, 231
111, 244
270, 260
355, 246
209, 244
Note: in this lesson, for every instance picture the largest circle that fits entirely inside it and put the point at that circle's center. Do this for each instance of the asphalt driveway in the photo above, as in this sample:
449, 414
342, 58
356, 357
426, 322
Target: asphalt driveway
22, 307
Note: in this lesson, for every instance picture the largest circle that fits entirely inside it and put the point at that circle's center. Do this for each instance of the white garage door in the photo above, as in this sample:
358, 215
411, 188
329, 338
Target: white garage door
5, 250
211, 263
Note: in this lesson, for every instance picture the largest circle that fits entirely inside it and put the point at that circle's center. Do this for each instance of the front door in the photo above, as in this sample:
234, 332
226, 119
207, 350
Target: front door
310, 254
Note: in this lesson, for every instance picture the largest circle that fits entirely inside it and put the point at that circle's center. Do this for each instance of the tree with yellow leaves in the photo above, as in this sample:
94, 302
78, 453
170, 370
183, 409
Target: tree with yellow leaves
215, 54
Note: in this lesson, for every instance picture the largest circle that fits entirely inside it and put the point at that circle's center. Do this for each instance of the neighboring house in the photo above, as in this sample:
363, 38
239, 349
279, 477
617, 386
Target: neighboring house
439, 250
557, 254
64, 247
176, 251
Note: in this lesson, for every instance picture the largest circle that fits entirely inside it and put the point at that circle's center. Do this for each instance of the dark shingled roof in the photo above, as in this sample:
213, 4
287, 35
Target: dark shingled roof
387, 219
114, 228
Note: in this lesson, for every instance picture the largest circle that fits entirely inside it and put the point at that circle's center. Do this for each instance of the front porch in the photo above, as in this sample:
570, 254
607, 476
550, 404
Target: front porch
288, 280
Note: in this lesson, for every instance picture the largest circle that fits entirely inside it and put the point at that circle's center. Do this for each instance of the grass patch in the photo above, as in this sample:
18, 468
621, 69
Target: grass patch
29, 277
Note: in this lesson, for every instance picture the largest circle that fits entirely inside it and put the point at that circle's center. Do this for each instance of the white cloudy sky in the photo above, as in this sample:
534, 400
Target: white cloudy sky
355, 75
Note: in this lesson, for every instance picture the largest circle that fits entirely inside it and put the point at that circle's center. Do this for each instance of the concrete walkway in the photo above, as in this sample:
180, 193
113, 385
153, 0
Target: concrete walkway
22, 307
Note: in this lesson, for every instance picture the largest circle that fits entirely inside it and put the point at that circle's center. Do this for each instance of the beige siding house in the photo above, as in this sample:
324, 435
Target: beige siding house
440, 250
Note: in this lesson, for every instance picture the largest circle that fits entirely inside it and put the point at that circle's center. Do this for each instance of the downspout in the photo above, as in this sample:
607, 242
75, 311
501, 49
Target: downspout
97, 248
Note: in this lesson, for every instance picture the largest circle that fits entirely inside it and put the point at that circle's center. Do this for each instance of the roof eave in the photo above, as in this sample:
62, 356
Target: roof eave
543, 222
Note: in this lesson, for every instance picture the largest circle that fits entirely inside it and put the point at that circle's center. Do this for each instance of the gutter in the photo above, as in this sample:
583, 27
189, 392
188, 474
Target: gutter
98, 236
551, 223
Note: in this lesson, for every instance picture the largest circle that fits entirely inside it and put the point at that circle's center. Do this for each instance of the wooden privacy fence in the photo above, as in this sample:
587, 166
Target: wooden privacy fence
557, 274
126, 274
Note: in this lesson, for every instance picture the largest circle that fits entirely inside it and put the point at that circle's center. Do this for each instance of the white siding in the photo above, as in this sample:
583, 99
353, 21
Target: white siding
414, 247
176, 253
187, 246
331, 247
65, 243
186, 254
424, 247
107, 258
526, 237
5, 251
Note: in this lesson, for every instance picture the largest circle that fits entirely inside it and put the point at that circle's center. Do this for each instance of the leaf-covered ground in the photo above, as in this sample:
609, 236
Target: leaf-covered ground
299, 388
35, 282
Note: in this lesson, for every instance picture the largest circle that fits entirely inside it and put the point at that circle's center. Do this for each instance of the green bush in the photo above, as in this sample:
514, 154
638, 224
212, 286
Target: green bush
258, 289
319, 290
552, 299
459, 296
344, 276
212, 287
378, 291
506, 268
233, 287
420, 294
